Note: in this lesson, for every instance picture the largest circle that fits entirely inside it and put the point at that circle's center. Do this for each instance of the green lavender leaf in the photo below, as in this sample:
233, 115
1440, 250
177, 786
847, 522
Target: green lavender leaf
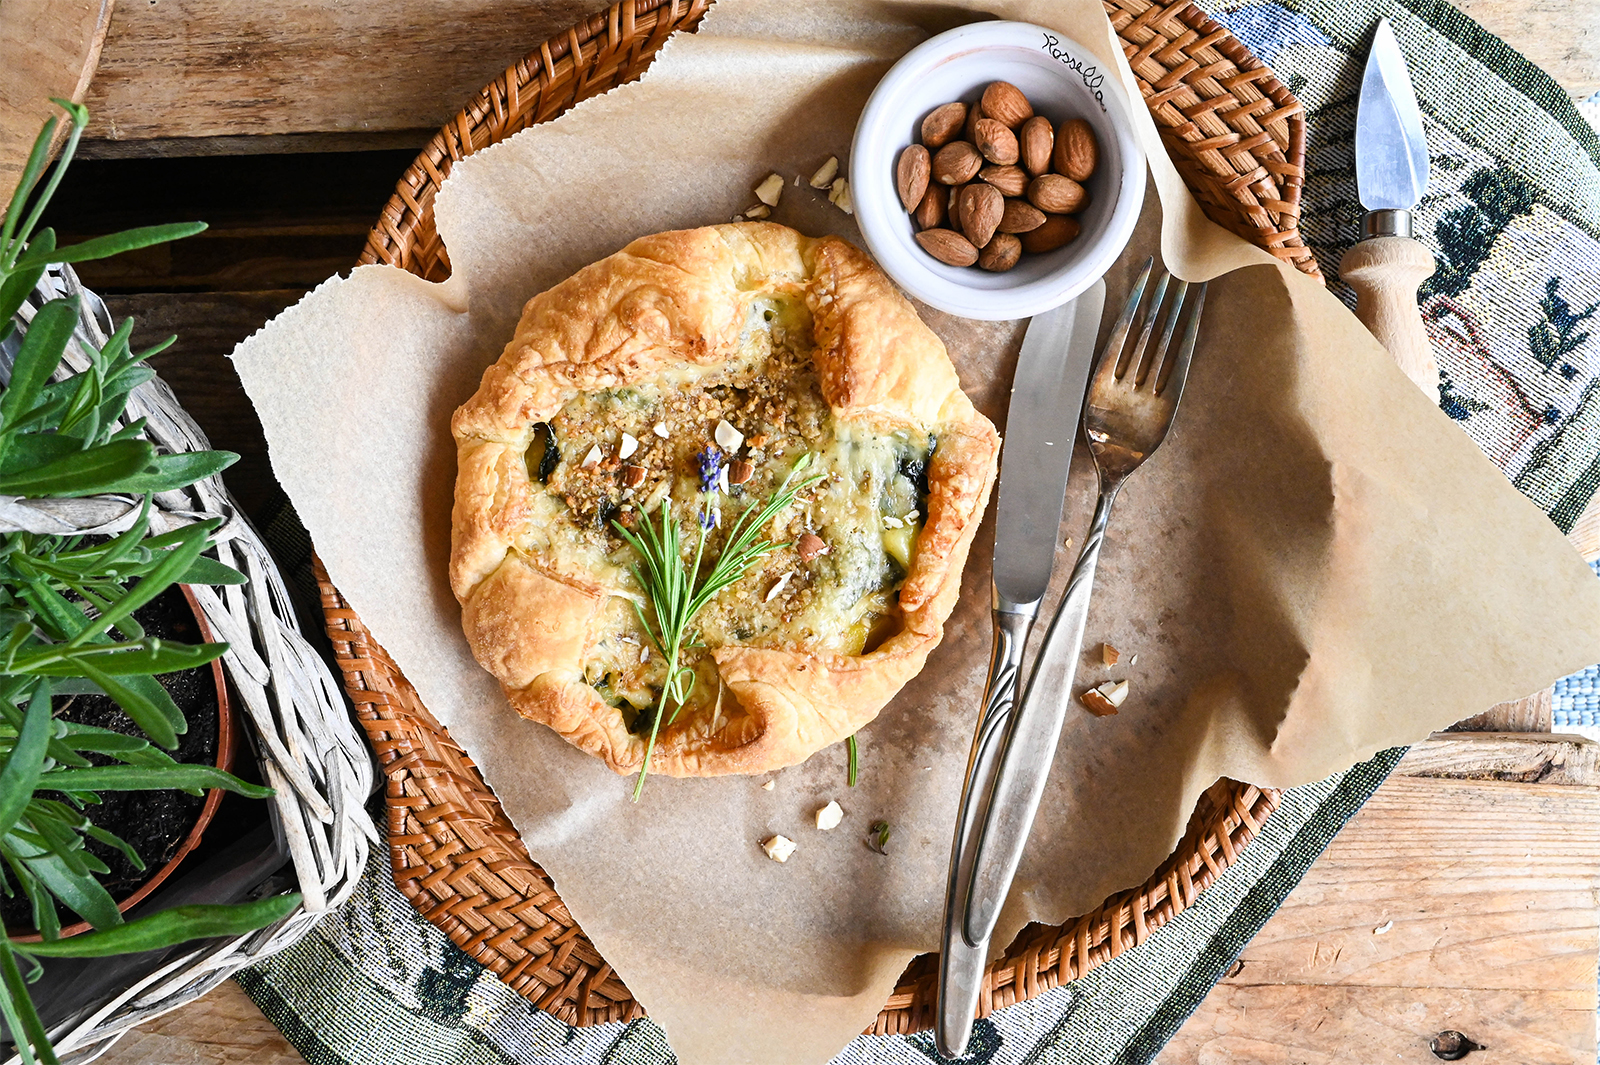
14, 289
169, 928
27, 1031
112, 244
84, 473
115, 659
142, 778
167, 472
37, 358
25, 764
144, 700
80, 892
38, 158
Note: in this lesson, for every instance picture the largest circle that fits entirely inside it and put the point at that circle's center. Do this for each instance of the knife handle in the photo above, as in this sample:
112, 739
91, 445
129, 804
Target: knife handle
1385, 273
1031, 739
961, 964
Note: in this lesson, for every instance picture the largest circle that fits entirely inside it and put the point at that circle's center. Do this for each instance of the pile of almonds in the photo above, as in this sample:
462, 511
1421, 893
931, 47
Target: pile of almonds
993, 180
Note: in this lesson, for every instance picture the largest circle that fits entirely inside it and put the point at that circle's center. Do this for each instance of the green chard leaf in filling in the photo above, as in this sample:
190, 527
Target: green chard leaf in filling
726, 505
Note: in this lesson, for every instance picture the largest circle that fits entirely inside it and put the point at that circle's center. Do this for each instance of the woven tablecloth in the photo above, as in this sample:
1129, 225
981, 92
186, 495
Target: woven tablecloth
1512, 214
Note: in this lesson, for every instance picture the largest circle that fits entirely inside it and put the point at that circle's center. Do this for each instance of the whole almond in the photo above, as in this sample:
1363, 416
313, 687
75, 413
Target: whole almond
953, 208
1076, 152
995, 142
1019, 217
930, 213
1010, 180
911, 175
948, 246
969, 129
981, 208
1035, 140
942, 125
956, 163
810, 546
1004, 102
1054, 194
1001, 253
1057, 230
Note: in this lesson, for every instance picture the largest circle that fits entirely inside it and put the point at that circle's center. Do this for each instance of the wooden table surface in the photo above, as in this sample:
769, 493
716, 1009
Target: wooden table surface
1463, 896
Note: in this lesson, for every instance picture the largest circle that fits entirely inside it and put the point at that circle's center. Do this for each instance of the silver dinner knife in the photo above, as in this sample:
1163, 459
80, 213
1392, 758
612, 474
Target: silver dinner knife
1386, 267
1041, 426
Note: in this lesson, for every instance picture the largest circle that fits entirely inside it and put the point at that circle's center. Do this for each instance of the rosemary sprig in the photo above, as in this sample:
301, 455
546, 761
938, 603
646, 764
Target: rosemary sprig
675, 589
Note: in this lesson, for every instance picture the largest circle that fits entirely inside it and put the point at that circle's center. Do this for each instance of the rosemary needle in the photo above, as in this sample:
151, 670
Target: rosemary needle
675, 590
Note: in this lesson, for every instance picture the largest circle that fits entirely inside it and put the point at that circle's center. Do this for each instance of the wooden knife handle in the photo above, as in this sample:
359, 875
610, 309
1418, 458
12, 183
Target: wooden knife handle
1385, 273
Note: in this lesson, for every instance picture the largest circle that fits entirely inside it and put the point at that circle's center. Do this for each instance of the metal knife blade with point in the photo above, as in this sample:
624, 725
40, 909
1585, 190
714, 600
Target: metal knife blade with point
1386, 267
1041, 428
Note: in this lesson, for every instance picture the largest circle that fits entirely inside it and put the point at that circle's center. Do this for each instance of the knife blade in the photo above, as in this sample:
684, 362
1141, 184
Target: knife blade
1392, 170
1391, 150
1041, 427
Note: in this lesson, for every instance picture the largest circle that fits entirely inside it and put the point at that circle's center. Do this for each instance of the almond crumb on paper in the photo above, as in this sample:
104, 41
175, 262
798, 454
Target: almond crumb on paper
1109, 655
1103, 700
1097, 704
779, 848
1383, 928
769, 785
770, 190
760, 210
839, 196
829, 816
826, 173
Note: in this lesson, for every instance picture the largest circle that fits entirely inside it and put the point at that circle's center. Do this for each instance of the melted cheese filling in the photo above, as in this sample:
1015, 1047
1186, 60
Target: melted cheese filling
867, 510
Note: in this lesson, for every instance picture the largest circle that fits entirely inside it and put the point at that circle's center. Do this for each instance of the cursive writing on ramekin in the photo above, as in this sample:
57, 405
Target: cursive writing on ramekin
1092, 78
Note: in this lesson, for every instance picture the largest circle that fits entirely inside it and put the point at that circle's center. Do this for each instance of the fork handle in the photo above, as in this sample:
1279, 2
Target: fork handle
1030, 742
1385, 273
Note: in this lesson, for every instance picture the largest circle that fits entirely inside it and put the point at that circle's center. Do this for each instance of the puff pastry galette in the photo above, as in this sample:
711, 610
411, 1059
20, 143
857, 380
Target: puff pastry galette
683, 380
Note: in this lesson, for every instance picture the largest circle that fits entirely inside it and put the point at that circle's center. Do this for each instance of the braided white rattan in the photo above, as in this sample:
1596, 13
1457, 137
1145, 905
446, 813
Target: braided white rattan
310, 751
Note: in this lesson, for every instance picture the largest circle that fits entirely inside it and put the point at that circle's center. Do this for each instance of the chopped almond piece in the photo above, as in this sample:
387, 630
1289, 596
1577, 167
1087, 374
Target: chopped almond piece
1097, 704
1108, 654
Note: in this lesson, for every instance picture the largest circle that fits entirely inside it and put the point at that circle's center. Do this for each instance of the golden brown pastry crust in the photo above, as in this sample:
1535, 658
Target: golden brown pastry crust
678, 297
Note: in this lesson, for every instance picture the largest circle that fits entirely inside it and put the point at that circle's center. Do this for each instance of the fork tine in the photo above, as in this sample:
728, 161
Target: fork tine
1111, 355
1140, 362
1175, 378
1156, 361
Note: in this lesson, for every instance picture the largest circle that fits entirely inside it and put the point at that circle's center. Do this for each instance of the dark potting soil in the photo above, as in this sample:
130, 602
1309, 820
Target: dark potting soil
154, 823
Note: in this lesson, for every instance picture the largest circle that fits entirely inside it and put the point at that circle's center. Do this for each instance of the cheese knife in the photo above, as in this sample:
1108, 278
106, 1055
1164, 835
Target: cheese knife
1041, 427
1387, 265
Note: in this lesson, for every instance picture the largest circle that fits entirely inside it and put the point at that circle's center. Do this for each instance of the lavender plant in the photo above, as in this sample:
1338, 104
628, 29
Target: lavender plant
67, 616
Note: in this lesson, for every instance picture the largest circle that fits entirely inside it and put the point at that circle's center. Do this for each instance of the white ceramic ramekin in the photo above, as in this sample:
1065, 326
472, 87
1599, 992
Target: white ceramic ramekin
1062, 80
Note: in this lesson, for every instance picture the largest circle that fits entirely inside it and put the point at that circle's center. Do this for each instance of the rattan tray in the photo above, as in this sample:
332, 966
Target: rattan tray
1237, 136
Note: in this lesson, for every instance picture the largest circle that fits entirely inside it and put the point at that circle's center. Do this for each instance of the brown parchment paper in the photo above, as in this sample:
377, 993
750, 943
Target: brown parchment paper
1317, 565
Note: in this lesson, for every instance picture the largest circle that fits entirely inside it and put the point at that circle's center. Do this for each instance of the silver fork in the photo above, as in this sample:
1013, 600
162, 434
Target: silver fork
1132, 399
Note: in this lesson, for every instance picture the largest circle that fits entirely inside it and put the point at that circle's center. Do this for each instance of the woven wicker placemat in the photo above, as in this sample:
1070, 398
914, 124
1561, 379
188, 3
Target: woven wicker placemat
1237, 136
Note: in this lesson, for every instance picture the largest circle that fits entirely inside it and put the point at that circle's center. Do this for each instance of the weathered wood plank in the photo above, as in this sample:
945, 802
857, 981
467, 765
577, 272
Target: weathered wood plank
1570, 760
1464, 904
1268, 1025
223, 1028
1531, 714
51, 48
1561, 36
205, 68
